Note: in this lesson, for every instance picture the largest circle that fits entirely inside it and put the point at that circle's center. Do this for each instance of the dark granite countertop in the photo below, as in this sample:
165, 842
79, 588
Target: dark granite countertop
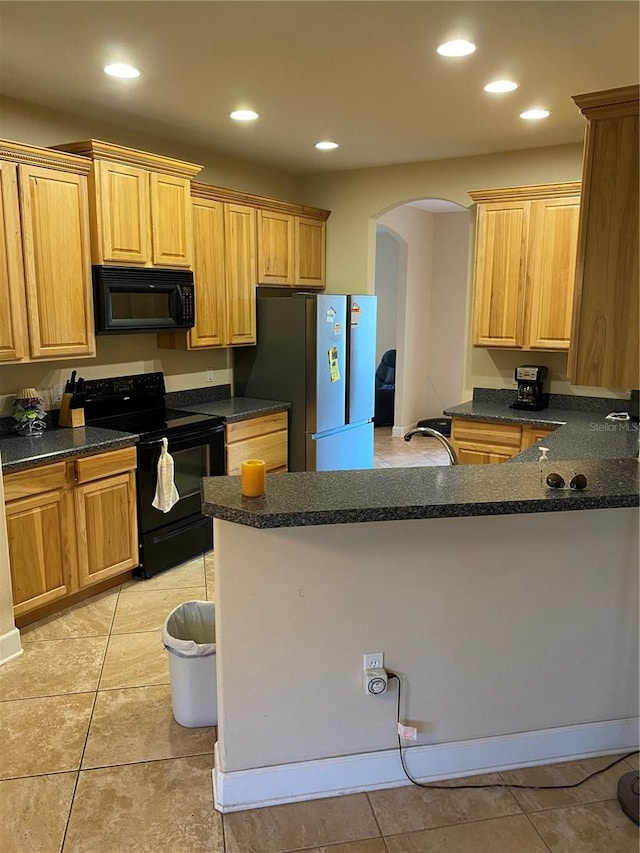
55, 444
578, 433
237, 408
390, 494
583, 442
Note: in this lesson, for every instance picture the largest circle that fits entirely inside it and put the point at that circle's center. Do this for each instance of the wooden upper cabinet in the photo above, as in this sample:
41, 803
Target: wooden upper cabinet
55, 237
605, 348
551, 272
276, 236
210, 329
291, 245
14, 344
224, 271
240, 258
124, 235
46, 302
140, 205
310, 239
170, 220
526, 242
502, 230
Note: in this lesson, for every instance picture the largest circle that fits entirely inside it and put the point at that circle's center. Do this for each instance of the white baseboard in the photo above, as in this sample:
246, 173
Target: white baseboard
330, 777
10, 647
400, 432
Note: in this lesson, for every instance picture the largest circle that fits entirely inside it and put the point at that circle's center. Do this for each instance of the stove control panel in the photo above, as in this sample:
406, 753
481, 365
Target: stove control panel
139, 386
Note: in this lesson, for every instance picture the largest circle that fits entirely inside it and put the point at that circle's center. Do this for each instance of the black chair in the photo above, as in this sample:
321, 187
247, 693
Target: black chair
385, 389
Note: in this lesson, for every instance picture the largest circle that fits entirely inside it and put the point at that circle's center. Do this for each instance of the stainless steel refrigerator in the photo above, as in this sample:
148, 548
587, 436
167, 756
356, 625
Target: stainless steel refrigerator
316, 351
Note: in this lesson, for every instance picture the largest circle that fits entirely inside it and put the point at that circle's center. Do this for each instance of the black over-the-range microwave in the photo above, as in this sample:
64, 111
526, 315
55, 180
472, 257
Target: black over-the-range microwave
130, 299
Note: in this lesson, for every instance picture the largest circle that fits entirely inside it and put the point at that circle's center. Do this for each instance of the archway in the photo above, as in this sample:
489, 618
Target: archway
422, 257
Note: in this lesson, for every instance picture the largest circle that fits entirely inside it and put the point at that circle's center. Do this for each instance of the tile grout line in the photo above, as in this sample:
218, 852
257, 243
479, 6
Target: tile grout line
93, 707
538, 833
375, 817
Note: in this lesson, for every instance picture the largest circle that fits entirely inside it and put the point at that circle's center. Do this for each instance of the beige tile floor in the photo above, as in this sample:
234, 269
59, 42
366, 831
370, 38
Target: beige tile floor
92, 760
391, 452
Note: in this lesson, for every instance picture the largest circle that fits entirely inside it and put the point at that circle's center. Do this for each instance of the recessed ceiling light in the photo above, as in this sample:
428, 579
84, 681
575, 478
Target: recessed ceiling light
534, 114
120, 69
457, 47
501, 86
244, 115
326, 145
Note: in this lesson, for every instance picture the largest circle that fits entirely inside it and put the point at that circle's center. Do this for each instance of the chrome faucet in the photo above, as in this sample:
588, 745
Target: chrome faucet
453, 457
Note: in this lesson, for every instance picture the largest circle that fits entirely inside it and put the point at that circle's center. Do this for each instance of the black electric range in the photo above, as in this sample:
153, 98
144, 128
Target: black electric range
196, 442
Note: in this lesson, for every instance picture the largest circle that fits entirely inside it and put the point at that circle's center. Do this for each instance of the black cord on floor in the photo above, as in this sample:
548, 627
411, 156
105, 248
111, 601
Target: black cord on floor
490, 784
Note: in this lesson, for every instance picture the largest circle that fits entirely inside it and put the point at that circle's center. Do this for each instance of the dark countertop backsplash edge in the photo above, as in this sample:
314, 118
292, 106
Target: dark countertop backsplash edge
569, 402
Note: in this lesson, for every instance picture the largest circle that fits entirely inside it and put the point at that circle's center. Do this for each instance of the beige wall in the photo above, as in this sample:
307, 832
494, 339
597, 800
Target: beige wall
118, 355
36, 125
357, 198
489, 636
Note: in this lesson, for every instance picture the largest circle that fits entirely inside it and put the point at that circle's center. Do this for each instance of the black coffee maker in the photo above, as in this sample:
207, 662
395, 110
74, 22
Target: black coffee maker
531, 395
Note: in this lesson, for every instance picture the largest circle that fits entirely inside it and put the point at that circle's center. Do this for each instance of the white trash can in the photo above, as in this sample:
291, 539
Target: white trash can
189, 636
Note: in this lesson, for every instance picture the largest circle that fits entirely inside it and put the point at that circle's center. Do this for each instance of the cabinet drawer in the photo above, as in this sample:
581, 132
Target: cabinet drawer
272, 448
34, 481
485, 432
242, 430
105, 464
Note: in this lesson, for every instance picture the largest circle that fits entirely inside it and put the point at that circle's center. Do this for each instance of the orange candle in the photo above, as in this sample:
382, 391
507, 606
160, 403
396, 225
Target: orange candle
253, 478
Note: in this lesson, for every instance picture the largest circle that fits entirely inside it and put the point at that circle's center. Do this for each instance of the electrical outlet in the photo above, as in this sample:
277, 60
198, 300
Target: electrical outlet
56, 394
210, 376
374, 660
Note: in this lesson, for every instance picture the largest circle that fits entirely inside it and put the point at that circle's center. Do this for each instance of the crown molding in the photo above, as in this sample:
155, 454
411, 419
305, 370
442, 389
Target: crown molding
528, 193
96, 149
207, 191
17, 152
610, 103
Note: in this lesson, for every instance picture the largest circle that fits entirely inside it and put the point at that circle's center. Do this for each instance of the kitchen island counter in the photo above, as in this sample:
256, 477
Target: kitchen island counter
394, 494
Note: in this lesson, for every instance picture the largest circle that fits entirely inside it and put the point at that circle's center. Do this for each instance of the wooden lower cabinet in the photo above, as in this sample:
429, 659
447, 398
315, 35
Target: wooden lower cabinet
41, 549
106, 528
264, 437
487, 442
71, 525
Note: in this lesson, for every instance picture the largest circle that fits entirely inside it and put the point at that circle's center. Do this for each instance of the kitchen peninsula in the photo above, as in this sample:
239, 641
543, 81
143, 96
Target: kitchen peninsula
509, 610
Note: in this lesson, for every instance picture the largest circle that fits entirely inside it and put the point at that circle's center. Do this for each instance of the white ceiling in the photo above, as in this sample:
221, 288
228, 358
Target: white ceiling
362, 73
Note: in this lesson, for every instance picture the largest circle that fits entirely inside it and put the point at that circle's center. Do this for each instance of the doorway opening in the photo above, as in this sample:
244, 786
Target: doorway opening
421, 281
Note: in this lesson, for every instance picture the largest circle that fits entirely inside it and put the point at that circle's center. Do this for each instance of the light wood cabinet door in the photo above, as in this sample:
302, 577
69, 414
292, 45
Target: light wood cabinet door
532, 435
310, 251
264, 437
13, 311
469, 455
485, 442
502, 230
106, 525
276, 242
170, 220
41, 549
553, 244
210, 329
605, 346
122, 202
55, 235
241, 274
